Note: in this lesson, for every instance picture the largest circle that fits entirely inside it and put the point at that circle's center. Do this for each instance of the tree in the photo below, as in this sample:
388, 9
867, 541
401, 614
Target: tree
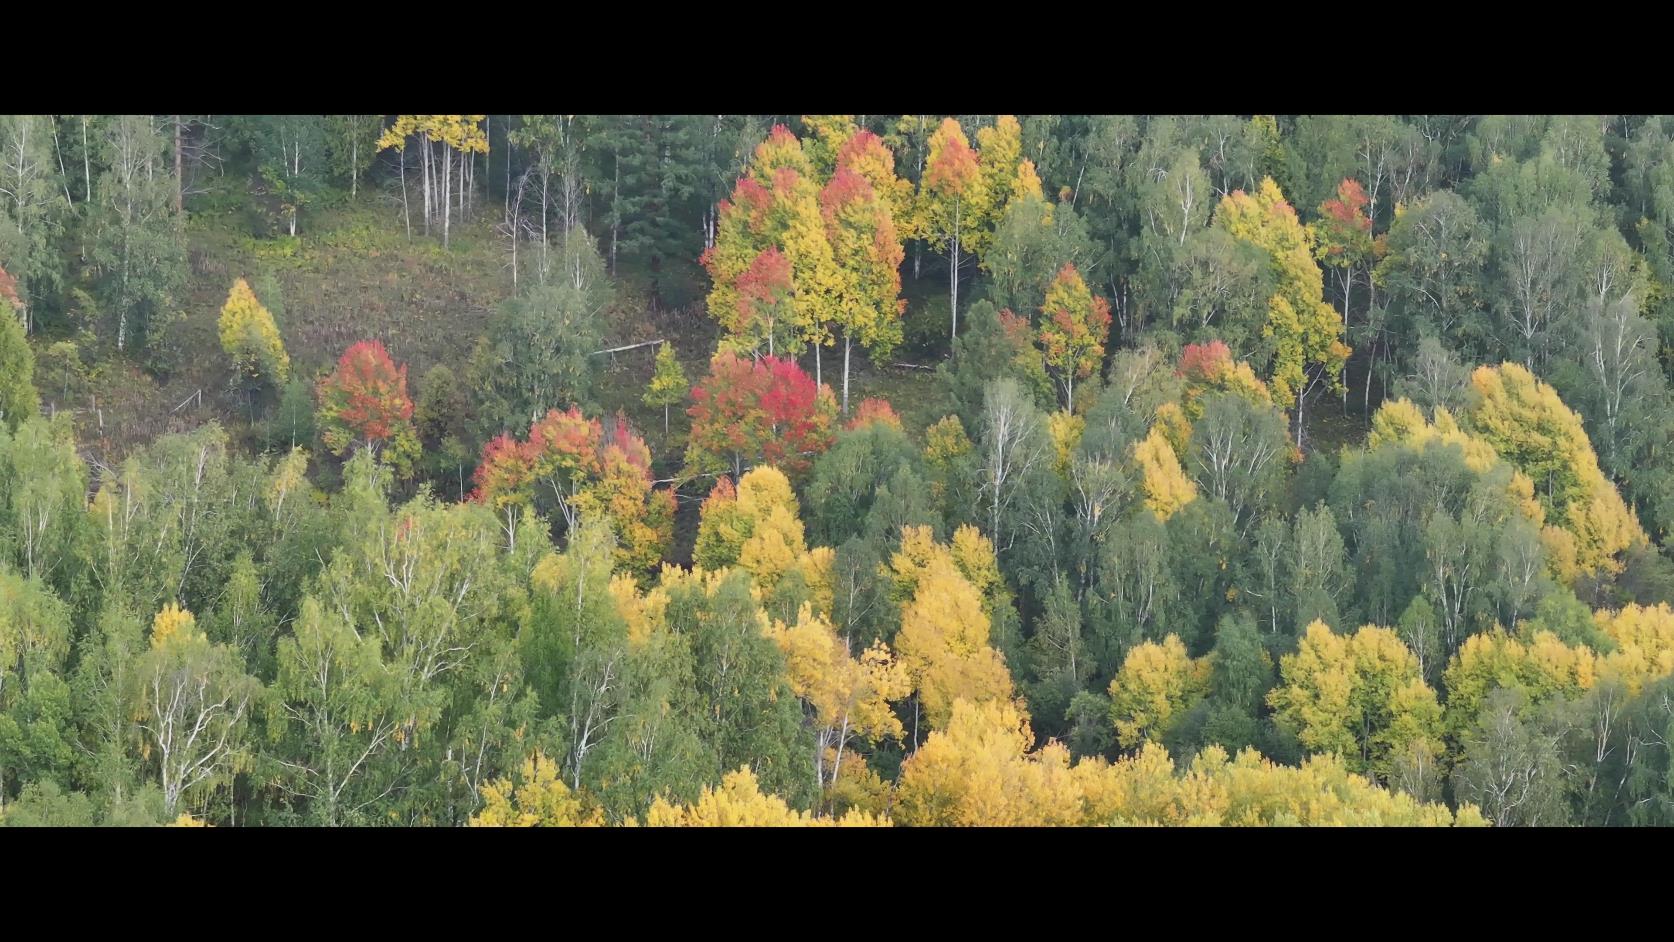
867, 251
848, 695
191, 704
540, 799
1012, 444
34, 700
1342, 241
1073, 328
138, 254
29, 217
290, 153
574, 643
772, 263
580, 467
1303, 331
739, 802
1529, 427
251, 338
1511, 767
668, 382
18, 400
951, 202
352, 145
447, 140
537, 352
763, 412
364, 402
1156, 685
1238, 453
943, 645
1359, 696
336, 708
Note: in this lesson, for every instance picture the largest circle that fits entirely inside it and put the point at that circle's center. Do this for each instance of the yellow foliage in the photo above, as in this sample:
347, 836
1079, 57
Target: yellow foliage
943, 644
846, 694
541, 799
979, 772
1065, 430
739, 802
645, 614
1156, 683
251, 338
774, 546
1360, 696
1166, 486
1175, 427
1305, 331
1528, 425
1542, 668
1644, 639
173, 625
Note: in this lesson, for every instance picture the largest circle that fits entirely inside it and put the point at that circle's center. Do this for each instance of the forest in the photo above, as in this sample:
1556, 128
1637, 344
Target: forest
836, 470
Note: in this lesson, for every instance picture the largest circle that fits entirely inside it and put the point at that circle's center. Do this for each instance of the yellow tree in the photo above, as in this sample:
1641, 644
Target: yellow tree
848, 696
739, 802
775, 280
251, 338
540, 799
1303, 330
943, 645
448, 143
1166, 486
1074, 324
1531, 428
951, 202
977, 772
867, 253
1542, 668
1157, 683
1360, 696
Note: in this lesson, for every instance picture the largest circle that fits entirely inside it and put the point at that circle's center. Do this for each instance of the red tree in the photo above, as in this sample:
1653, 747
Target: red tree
874, 410
747, 412
365, 400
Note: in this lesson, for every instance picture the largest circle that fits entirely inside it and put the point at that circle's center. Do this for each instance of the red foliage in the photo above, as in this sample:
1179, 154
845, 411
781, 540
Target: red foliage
758, 412
753, 198
367, 392
955, 167
874, 410
1348, 208
863, 145
723, 491
8, 290
846, 187
619, 435
1204, 363
1018, 333
762, 287
503, 471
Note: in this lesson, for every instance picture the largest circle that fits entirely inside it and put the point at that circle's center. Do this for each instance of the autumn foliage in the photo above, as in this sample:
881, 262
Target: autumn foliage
749, 412
365, 400
572, 465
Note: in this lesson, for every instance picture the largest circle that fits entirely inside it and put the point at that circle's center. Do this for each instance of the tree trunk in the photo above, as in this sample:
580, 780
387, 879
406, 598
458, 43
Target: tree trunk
425, 140
406, 212
179, 180
953, 274
86, 161
847, 342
